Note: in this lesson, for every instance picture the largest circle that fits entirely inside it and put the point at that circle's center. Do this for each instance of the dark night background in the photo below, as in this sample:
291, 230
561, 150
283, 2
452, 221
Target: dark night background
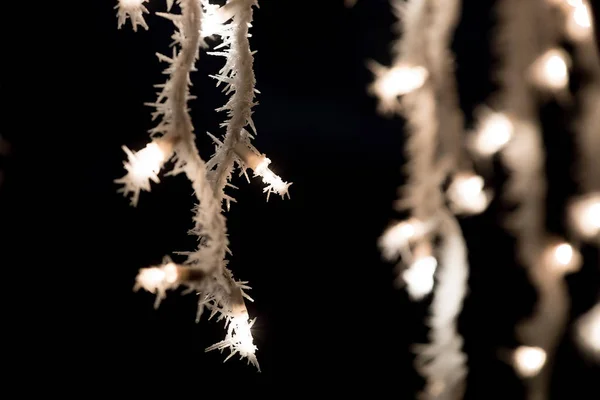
329, 319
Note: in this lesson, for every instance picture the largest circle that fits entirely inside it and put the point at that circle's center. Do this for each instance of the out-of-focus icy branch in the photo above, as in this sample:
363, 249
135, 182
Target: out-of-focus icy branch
420, 85
530, 60
442, 360
517, 45
584, 210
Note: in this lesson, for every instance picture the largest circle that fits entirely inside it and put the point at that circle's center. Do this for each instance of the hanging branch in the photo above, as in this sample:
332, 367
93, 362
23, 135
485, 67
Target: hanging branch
518, 46
531, 60
585, 209
422, 74
238, 76
204, 272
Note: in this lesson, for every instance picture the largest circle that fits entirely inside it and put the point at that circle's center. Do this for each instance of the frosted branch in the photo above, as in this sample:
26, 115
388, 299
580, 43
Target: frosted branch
221, 295
238, 76
204, 271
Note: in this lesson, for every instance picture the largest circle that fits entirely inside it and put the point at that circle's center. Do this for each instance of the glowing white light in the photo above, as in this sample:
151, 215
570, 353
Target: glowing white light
563, 258
134, 10
395, 239
171, 274
551, 70
274, 183
579, 21
581, 16
585, 215
157, 278
466, 194
242, 335
147, 162
419, 277
150, 278
215, 17
563, 253
529, 361
593, 214
588, 331
210, 26
396, 81
494, 132
142, 167
239, 339
406, 229
131, 4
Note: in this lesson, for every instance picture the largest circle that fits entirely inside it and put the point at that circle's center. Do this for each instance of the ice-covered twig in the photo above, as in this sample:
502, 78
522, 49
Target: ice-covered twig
238, 76
204, 271
220, 294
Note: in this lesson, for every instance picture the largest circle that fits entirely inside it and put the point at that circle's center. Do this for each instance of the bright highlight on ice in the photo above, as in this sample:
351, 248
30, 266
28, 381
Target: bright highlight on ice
141, 167
588, 331
581, 15
147, 162
131, 3
551, 70
152, 278
215, 17
395, 239
158, 280
134, 10
529, 361
564, 253
493, 133
563, 258
585, 215
400, 80
578, 18
239, 339
466, 194
396, 81
419, 277
274, 182
242, 336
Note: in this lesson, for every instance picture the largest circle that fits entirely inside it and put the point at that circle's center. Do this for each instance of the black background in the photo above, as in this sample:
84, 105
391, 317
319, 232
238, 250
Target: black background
328, 317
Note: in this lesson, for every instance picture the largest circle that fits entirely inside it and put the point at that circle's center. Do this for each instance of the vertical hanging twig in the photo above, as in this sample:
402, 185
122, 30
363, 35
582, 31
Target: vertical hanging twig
422, 73
204, 271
